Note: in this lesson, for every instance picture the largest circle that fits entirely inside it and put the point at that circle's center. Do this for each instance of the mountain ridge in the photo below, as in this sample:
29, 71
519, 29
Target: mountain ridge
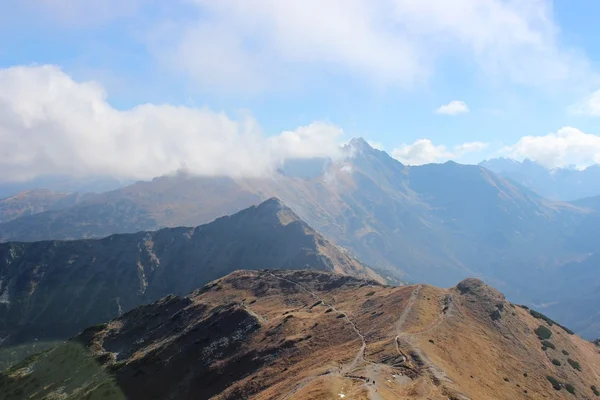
436, 223
49, 290
282, 334
566, 184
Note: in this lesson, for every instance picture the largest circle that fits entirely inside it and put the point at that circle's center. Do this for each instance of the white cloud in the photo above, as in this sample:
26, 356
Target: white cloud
423, 151
269, 44
590, 105
568, 146
470, 147
50, 124
318, 139
453, 108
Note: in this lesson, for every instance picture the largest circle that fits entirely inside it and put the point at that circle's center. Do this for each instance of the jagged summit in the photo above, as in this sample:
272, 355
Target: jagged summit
361, 146
273, 204
359, 142
270, 211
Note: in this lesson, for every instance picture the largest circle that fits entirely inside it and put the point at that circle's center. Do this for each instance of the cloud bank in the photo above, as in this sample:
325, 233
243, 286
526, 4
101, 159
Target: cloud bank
568, 146
267, 44
51, 124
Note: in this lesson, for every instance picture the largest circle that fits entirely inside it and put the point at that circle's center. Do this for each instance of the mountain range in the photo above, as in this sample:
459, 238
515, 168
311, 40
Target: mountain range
557, 183
51, 290
437, 223
277, 334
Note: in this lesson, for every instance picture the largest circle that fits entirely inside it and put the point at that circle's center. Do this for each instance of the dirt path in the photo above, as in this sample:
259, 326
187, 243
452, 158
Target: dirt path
373, 372
360, 355
449, 309
411, 302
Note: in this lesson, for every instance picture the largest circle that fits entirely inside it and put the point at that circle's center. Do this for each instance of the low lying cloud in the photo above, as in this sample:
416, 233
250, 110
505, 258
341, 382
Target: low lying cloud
423, 151
568, 146
453, 108
51, 124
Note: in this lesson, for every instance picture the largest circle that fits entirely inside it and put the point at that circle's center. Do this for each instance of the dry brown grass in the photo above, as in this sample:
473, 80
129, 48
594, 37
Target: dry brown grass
419, 342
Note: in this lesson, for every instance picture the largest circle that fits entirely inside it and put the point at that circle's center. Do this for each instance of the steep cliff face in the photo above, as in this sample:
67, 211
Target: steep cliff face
312, 335
53, 289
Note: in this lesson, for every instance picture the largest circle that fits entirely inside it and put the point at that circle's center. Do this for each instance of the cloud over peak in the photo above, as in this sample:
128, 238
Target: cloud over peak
423, 151
51, 124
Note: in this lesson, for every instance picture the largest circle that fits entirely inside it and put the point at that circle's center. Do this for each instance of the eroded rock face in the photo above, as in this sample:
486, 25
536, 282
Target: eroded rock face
484, 301
274, 334
480, 290
470, 285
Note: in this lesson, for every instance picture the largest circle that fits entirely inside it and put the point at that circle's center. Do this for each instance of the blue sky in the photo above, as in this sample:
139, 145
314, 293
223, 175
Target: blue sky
523, 73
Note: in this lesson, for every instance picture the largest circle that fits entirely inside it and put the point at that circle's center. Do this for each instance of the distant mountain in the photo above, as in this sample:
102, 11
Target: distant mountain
436, 223
589, 202
312, 335
556, 184
53, 289
168, 201
304, 167
37, 201
63, 184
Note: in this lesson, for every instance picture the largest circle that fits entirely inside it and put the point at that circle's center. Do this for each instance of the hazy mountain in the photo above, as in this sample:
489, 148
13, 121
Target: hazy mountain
436, 223
53, 289
37, 201
312, 335
64, 184
558, 184
168, 201
589, 202
304, 167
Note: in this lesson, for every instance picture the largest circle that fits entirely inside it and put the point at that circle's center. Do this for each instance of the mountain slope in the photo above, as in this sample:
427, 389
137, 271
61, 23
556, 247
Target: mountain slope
35, 202
168, 201
312, 335
53, 289
436, 223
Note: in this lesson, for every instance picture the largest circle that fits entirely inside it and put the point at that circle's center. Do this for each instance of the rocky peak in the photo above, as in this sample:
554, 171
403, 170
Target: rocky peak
359, 144
478, 288
272, 205
470, 285
269, 211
